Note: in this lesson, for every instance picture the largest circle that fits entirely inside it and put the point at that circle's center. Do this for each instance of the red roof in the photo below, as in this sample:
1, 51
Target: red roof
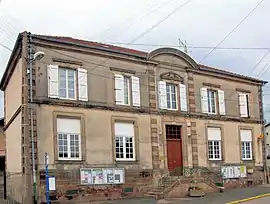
129, 51
94, 44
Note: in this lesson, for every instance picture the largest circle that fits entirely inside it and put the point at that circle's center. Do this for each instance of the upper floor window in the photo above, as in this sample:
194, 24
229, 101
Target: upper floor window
244, 105
62, 83
212, 101
66, 83
172, 96
127, 90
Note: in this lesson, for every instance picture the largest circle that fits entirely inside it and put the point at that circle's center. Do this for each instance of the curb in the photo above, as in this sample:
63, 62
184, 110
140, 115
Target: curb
248, 199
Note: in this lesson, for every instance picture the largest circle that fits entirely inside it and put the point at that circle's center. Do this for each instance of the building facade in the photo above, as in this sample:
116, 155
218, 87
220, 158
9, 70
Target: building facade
97, 105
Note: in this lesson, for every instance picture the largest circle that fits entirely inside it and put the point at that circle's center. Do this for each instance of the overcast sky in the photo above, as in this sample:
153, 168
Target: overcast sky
200, 23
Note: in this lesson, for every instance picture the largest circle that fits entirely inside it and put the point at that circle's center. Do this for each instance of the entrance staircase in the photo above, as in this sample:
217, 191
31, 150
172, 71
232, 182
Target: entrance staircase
162, 186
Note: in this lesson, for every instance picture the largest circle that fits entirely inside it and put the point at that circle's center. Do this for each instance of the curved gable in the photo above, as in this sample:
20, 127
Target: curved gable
173, 52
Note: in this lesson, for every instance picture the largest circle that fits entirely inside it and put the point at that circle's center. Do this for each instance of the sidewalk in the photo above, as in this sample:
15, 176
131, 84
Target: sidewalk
222, 198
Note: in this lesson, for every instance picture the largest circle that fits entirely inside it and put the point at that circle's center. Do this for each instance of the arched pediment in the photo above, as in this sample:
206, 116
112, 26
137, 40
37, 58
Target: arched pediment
172, 76
172, 51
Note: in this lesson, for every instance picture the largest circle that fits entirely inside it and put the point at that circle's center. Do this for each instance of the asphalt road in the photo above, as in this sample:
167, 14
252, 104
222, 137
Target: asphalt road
213, 198
265, 200
226, 197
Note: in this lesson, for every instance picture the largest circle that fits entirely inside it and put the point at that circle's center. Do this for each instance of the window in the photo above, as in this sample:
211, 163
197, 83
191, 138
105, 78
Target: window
66, 83
214, 150
168, 96
62, 83
125, 87
214, 143
244, 105
126, 91
212, 101
124, 142
68, 139
246, 144
171, 96
246, 150
173, 132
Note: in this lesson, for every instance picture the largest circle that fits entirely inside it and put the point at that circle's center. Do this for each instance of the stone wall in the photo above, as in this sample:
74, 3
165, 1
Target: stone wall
68, 186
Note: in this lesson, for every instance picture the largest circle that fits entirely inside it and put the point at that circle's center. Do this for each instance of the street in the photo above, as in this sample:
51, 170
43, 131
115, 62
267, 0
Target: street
212, 198
265, 200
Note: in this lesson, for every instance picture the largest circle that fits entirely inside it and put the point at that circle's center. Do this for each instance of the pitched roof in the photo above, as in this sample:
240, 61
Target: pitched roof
130, 51
109, 48
93, 44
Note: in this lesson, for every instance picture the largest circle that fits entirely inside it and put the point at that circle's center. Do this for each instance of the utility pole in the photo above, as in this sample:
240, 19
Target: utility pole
183, 44
30, 61
27, 193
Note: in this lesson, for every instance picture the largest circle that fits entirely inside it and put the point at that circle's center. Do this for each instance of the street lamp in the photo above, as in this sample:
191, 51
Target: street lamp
36, 57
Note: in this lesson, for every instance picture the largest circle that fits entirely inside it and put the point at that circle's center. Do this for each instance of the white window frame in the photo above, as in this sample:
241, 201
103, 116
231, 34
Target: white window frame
68, 146
213, 152
126, 84
244, 145
123, 137
247, 99
246, 138
170, 94
210, 101
66, 80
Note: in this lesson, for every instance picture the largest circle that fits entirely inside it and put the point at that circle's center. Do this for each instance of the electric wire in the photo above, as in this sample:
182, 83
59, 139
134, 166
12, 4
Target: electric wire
232, 31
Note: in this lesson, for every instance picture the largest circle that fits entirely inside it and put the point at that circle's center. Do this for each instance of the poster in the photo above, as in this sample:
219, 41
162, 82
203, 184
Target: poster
229, 172
118, 176
86, 176
97, 176
52, 183
101, 176
108, 176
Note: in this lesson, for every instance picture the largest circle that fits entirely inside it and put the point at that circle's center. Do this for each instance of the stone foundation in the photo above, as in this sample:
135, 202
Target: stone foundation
68, 186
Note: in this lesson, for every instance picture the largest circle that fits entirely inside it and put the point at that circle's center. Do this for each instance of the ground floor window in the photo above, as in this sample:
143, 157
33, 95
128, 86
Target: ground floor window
214, 143
124, 141
246, 144
68, 139
214, 150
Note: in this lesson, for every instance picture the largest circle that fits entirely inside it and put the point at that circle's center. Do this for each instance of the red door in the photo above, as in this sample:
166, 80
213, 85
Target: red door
174, 154
174, 150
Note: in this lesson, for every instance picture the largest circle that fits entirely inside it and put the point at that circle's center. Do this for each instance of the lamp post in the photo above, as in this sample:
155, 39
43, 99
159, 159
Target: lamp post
36, 57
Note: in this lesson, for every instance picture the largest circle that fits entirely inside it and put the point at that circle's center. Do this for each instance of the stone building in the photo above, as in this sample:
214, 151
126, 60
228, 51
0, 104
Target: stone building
99, 105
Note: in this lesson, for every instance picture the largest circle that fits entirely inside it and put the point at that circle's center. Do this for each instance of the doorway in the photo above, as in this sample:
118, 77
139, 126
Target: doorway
174, 149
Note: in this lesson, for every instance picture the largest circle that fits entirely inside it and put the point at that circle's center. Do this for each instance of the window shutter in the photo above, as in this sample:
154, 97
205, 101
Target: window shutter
162, 94
136, 95
221, 102
53, 90
119, 88
204, 100
243, 105
183, 97
82, 83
